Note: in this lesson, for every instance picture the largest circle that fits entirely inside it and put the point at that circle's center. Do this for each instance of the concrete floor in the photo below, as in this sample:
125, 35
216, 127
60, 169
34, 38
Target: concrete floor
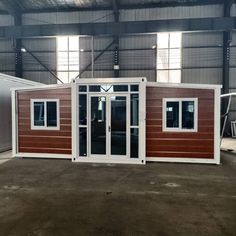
56, 197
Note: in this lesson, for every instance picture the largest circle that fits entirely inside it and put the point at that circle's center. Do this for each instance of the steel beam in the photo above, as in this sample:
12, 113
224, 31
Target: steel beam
116, 41
119, 28
18, 46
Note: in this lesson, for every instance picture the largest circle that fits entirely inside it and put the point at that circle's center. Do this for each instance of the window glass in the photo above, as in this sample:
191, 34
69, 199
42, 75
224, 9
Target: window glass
163, 40
162, 76
134, 88
168, 57
51, 114
162, 59
174, 59
134, 142
172, 114
73, 43
83, 141
175, 40
39, 114
82, 109
188, 114
134, 109
62, 43
82, 88
67, 58
174, 76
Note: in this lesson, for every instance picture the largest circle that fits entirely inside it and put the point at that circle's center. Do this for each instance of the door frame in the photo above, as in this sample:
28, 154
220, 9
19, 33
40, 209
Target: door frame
108, 124
142, 119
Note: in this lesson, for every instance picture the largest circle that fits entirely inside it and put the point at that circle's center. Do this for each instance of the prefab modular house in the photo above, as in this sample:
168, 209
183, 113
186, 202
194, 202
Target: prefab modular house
6, 83
118, 120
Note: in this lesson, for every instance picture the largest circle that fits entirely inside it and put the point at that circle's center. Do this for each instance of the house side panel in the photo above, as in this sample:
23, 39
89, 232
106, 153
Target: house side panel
169, 144
44, 141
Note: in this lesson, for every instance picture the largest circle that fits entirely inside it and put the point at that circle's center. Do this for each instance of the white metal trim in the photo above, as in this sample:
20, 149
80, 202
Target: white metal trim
74, 119
179, 129
14, 123
45, 127
19, 80
142, 116
217, 109
43, 155
182, 160
42, 87
122, 80
183, 85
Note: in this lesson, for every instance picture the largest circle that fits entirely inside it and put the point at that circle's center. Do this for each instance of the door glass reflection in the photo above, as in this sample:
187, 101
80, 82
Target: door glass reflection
118, 125
98, 125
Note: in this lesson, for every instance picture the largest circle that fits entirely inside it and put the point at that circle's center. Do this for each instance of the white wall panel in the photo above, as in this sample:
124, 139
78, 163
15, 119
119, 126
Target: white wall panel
202, 76
171, 13
67, 17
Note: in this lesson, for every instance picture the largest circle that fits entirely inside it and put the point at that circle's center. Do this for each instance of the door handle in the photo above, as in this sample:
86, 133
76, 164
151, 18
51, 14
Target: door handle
109, 128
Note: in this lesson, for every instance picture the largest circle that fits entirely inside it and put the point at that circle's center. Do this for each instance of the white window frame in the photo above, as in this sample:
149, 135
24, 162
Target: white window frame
179, 129
168, 69
45, 127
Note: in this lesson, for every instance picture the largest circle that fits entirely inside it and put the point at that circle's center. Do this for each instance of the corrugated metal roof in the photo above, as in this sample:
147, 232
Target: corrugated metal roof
54, 5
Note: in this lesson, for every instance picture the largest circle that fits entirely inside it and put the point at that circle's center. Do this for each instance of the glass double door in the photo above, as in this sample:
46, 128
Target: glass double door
108, 126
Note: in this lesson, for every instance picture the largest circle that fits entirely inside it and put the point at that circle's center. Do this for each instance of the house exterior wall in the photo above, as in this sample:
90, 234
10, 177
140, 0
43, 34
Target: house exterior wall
6, 83
168, 144
201, 146
44, 141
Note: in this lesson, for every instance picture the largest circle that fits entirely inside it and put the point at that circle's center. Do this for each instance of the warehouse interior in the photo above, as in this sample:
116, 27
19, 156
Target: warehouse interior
170, 41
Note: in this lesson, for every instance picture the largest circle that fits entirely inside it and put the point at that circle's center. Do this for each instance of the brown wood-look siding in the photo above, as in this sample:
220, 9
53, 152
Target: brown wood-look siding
180, 144
44, 141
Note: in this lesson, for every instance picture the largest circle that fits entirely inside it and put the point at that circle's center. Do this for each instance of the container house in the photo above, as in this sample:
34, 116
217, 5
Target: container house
118, 120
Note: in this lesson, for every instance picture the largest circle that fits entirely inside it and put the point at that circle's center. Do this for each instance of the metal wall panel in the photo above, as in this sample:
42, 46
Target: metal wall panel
40, 44
100, 43
196, 39
67, 17
138, 59
85, 43
149, 74
6, 45
6, 20
202, 76
171, 13
47, 58
232, 78
142, 41
104, 62
202, 57
233, 10
39, 76
7, 62
233, 57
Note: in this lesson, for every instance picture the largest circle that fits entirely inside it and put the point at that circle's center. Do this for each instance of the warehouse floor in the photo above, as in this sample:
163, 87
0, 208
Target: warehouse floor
57, 197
